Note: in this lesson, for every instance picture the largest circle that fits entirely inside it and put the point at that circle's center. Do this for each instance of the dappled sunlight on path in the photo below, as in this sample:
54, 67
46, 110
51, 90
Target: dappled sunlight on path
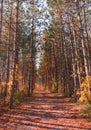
44, 111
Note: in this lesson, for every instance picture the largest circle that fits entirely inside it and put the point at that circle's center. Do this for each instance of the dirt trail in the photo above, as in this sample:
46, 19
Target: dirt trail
44, 112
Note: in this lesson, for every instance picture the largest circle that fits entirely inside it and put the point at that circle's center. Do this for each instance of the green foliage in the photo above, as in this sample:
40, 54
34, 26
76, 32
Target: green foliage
89, 102
67, 93
19, 96
54, 87
86, 112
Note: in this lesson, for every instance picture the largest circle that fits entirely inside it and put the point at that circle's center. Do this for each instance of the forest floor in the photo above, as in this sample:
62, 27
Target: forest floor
44, 111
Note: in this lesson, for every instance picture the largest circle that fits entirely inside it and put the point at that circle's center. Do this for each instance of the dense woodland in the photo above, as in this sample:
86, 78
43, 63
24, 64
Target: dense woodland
66, 64
48, 42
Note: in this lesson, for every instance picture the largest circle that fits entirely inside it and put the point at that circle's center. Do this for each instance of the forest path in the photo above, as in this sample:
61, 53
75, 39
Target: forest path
44, 111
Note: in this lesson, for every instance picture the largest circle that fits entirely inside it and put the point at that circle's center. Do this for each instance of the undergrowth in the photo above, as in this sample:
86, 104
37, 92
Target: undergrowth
19, 97
86, 112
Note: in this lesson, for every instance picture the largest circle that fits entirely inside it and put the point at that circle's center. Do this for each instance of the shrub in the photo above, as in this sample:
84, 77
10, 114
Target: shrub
19, 96
84, 91
86, 112
54, 87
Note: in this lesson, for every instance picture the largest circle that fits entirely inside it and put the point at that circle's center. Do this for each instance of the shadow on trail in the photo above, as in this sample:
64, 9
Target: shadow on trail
44, 112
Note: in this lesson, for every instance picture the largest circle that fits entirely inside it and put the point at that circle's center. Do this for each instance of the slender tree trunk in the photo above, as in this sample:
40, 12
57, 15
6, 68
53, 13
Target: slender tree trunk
1, 18
15, 51
56, 67
76, 52
82, 41
8, 56
32, 64
86, 37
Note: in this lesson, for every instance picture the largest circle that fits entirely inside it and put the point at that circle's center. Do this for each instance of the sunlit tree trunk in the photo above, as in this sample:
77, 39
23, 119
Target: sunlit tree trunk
15, 55
86, 38
32, 64
82, 40
75, 51
8, 56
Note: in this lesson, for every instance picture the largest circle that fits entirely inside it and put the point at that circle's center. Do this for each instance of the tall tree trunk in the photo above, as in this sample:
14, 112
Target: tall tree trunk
56, 66
75, 50
86, 39
1, 18
15, 51
32, 65
82, 40
8, 56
